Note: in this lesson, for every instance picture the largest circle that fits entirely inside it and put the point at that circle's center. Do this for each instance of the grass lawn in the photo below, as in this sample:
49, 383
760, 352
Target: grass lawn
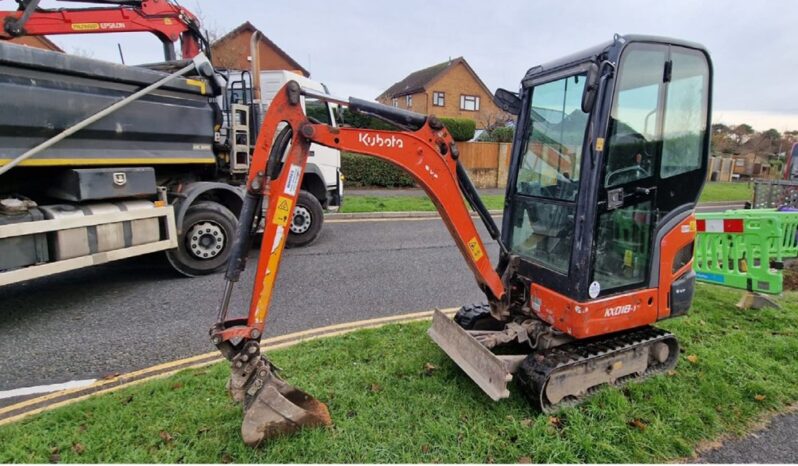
405, 203
736, 366
713, 192
718, 192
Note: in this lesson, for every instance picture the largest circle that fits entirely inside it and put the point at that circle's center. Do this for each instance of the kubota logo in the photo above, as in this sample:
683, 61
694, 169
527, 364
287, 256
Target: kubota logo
619, 310
379, 141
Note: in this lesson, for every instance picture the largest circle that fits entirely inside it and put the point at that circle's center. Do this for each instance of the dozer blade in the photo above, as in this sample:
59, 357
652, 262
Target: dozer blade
272, 407
491, 373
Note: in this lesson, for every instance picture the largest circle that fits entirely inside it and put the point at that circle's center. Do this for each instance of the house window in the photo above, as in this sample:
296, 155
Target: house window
395, 102
409, 101
438, 99
469, 103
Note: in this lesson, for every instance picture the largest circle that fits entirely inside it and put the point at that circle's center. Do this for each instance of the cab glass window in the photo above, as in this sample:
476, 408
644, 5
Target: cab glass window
548, 179
551, 164
634, 117
685, 121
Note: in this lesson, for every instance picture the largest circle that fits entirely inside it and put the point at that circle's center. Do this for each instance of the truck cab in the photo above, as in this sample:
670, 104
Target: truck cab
322, 184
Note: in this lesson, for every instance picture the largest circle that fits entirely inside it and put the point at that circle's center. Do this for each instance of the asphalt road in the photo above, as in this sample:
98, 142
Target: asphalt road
775, 444
132, 314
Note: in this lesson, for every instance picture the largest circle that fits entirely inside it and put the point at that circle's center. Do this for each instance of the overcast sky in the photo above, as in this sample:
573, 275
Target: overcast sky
360, 47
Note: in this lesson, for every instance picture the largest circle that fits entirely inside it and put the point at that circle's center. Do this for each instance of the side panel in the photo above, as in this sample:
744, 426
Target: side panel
42, 93
588, 319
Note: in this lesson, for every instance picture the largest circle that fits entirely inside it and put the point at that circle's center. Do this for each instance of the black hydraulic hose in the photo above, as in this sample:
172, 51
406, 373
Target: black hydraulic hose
243, 237
471, 195
396, 115
252, 207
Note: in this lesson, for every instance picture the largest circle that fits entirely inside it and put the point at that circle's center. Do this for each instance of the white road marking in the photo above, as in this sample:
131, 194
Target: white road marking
45, 388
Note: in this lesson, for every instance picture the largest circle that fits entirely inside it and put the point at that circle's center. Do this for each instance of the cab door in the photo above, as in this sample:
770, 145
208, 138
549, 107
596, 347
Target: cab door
654, 160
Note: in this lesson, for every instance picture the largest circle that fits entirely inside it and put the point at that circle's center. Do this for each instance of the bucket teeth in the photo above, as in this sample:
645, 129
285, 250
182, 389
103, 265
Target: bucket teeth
272, 407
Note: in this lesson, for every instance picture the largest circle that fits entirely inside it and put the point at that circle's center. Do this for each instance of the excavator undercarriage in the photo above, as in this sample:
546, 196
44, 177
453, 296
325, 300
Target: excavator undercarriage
552, 369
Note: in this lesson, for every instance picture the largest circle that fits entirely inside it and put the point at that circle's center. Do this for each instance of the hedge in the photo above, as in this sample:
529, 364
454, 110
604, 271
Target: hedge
461, 129
362, 170
501, 134
361, 120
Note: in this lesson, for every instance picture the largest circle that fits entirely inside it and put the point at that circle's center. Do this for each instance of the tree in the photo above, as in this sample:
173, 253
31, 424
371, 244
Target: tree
769, 141
742, 132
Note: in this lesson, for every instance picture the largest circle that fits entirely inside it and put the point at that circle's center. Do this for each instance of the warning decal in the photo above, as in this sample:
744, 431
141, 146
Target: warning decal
293, 179
282, 212
476, 251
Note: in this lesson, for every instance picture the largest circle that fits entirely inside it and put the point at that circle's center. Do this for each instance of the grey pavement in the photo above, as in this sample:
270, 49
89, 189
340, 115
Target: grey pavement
777, 443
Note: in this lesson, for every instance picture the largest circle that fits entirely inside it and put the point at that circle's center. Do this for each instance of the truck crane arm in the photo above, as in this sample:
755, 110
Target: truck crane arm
167, 20
424, 149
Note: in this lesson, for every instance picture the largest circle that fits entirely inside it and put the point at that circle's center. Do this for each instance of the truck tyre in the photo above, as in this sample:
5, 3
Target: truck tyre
206, 241
307, 221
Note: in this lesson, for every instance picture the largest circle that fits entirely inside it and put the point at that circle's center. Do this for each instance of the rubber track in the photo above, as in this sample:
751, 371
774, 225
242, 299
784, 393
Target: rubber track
538, 368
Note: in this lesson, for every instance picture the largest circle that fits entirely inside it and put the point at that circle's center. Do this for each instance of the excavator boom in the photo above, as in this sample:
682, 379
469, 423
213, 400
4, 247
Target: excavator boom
425, 150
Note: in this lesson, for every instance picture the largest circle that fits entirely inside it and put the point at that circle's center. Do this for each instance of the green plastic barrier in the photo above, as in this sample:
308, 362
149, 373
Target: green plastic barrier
787, 223
741, 249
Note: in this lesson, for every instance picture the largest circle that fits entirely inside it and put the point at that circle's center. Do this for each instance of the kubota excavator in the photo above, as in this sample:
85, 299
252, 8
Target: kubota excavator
608, 161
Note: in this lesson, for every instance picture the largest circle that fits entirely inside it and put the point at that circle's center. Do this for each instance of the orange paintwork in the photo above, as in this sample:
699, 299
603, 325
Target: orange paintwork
622, 311
418, 152
673, 241
598, 317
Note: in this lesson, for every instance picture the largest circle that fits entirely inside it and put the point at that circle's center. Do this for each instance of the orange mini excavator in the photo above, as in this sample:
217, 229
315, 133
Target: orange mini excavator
608, 161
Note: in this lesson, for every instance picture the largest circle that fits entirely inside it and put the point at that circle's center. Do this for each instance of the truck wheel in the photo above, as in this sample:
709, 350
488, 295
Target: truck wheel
307, 221
206, 242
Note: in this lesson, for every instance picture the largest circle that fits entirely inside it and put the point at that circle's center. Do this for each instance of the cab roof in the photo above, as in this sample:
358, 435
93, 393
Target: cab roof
592, 53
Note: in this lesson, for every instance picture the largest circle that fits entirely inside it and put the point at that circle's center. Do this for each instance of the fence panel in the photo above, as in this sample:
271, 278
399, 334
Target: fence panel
479, 155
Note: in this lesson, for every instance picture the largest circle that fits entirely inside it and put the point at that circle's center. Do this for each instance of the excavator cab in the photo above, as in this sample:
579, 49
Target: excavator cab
610, 154
609, 158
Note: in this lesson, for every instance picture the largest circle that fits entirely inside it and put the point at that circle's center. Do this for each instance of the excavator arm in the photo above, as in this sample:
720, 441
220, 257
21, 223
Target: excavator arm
424, 149
167, 20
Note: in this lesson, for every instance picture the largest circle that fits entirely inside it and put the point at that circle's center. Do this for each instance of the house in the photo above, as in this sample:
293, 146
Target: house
39, 42
232, 51
751, 165
450, 89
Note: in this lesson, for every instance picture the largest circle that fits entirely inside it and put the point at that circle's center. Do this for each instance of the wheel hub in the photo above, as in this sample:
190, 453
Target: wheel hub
206, 240
301, 221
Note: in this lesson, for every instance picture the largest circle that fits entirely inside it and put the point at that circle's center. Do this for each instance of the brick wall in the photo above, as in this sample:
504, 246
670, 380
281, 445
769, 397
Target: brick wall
233, 53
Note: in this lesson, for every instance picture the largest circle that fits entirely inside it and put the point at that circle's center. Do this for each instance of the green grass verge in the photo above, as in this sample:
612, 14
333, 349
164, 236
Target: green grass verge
359, 204
713, 192
387, 408
718, 192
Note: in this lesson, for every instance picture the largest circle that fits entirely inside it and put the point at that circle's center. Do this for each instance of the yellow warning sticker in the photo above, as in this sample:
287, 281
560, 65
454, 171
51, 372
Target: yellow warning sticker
282, 212
599, 144
476, 251
85, 26
627, 258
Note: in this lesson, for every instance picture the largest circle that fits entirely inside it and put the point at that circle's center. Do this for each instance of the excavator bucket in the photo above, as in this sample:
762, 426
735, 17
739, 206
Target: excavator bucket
272, 406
